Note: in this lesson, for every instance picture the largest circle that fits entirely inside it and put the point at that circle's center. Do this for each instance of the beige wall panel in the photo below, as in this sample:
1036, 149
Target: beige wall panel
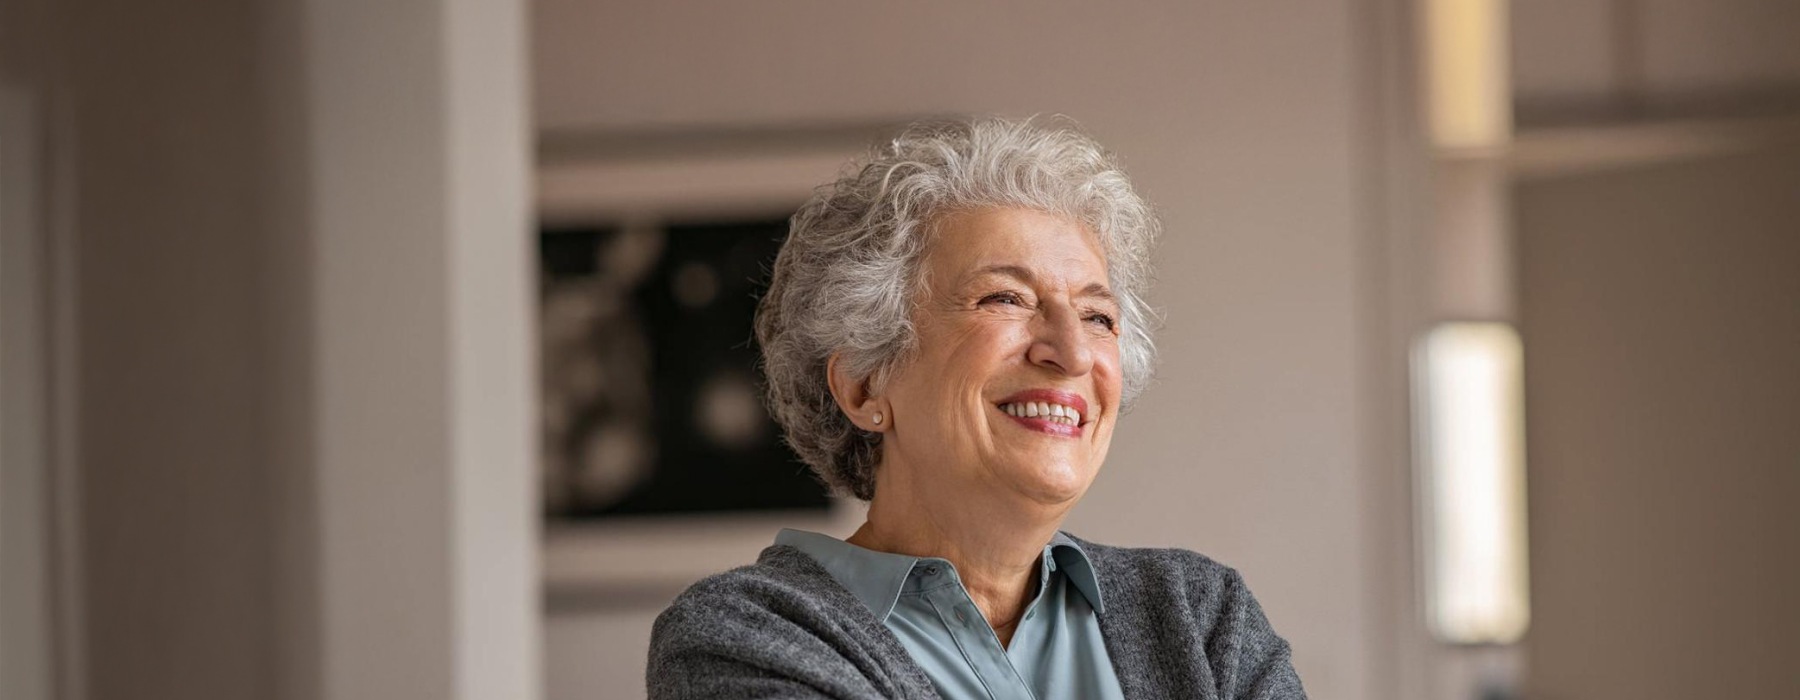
1661, 317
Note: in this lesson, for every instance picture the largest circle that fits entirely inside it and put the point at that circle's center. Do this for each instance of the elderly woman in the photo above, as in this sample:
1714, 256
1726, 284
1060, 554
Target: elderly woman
952, 333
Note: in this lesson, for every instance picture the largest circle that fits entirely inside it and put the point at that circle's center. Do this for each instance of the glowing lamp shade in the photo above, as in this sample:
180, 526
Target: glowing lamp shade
1471, 444
1467, 79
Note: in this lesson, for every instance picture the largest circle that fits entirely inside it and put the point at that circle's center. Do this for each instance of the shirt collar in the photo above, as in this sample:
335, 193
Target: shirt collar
873, 577
876, 578
1074, 562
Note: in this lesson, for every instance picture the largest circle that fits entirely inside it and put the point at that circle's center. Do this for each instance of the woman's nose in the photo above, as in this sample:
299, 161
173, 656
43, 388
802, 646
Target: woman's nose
1058, 341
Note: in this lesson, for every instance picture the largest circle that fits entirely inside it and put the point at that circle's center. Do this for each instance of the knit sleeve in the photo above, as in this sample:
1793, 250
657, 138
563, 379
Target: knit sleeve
696, 652
1253, 662
693, 673
746, 634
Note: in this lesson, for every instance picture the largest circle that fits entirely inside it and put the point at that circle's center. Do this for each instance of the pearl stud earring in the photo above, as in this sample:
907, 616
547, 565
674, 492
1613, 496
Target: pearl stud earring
878, 418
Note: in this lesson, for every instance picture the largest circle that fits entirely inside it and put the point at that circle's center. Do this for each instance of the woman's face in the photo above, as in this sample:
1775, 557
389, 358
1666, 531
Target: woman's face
1017, 319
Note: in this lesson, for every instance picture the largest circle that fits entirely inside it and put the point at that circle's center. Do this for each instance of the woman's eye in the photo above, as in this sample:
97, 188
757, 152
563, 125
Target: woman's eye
1104, 320
1003, 297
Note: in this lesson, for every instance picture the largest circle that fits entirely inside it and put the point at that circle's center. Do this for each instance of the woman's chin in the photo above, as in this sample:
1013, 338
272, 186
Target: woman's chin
1052, 486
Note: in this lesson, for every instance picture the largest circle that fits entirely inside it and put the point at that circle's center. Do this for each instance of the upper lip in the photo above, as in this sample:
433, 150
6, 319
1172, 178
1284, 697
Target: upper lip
1066, 398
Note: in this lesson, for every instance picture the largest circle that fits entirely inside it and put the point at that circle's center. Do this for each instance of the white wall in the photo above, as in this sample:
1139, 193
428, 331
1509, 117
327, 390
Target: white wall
1661, 315
1657, 303
164, 168
300, 304
1240, 121
1653, 53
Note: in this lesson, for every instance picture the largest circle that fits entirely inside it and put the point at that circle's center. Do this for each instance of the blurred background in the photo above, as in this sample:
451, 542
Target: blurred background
355, 349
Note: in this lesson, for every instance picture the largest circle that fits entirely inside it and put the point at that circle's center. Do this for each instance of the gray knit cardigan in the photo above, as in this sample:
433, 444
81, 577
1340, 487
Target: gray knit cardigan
1177, 625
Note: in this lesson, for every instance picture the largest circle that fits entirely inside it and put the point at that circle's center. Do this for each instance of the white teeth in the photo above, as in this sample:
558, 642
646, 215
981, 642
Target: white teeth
1041, 409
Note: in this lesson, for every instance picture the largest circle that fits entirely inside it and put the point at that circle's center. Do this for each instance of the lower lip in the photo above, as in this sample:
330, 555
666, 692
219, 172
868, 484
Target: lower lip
1044, 425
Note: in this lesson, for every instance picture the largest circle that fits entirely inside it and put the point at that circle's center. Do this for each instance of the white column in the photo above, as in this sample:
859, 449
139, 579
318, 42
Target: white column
420, 530
26, 558
493, 370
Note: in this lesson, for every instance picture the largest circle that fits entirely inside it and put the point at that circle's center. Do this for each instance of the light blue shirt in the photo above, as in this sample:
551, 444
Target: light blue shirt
1056, 651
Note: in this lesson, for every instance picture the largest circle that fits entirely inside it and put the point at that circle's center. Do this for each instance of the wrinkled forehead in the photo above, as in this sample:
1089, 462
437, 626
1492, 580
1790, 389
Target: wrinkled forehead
1022, 245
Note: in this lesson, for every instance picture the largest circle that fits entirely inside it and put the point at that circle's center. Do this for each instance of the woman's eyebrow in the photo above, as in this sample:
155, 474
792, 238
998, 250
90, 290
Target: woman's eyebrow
1013, 271
1098, 291
1094, 290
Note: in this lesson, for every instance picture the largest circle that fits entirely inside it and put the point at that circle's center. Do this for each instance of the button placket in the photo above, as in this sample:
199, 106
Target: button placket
980, 646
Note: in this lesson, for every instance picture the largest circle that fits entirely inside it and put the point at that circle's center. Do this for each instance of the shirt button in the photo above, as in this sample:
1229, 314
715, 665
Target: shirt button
960, 617
931, 571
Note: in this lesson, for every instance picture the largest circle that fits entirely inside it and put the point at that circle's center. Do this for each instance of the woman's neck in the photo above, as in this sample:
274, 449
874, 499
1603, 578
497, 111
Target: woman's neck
996, 549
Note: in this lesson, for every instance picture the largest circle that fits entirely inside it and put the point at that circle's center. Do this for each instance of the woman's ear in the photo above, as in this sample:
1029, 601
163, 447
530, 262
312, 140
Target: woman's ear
853, 396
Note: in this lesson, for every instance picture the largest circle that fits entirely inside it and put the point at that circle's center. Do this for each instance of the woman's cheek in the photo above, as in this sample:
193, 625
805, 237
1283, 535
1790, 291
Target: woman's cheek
1111, 362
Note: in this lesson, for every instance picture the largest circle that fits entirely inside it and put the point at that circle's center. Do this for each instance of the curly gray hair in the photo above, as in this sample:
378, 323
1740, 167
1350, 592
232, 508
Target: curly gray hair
848, 276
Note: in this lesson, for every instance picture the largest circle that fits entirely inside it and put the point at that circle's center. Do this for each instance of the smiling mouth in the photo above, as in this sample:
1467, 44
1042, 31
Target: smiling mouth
1053, 412
1045, 404
1043, 419
1047, 410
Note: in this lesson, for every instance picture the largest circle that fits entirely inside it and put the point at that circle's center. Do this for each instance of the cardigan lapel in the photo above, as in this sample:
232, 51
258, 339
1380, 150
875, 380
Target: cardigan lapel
905, 676
1137, 624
